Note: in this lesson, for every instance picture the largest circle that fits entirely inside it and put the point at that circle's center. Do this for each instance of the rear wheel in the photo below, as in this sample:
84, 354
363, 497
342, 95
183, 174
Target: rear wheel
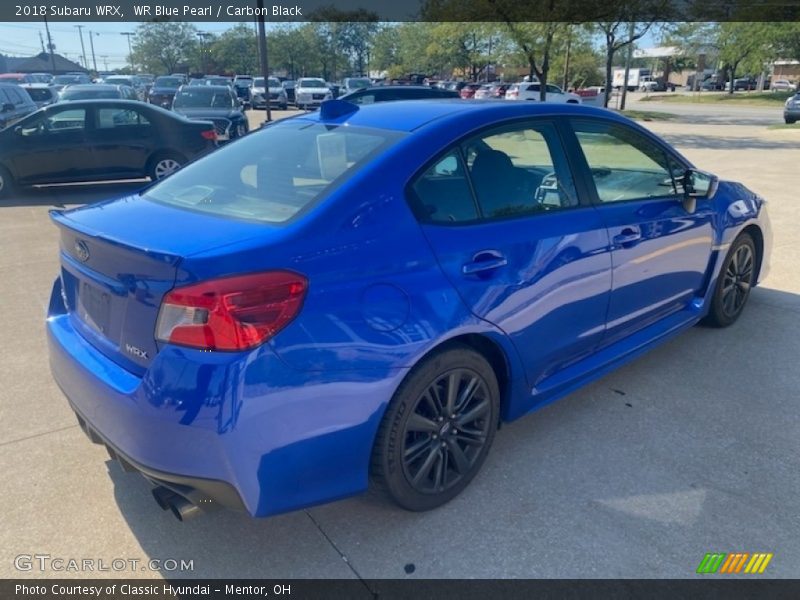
789, 121
162, 165
6, 183
438, 429
734, 283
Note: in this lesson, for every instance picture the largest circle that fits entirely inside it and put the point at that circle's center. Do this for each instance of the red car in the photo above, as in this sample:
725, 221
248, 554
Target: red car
468, 91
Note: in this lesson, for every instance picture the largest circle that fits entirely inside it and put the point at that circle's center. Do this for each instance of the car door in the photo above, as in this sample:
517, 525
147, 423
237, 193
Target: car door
52, 146
660, 250
503, 217
122, 140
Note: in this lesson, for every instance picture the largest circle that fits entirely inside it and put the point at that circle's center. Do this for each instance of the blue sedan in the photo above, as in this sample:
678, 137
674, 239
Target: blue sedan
365, 293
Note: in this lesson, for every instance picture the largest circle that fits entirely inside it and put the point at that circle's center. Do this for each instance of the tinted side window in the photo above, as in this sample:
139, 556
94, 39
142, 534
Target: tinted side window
520, 170
108, 118
442, 193
625, 164
3, 97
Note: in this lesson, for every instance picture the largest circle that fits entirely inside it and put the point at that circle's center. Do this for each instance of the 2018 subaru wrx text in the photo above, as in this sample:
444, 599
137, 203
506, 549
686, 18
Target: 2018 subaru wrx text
366, 293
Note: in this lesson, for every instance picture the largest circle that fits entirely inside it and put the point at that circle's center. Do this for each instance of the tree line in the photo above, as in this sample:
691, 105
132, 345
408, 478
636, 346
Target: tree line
570, 55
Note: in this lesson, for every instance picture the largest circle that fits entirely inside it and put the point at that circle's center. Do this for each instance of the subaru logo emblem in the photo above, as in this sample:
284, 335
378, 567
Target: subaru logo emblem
81, 250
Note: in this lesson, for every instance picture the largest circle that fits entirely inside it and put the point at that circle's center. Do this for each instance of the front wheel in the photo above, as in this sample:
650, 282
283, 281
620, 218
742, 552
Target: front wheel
789, 121
438, 429
734, 283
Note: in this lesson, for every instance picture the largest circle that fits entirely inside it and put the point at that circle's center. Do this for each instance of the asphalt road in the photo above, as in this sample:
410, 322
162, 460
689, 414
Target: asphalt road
692, 448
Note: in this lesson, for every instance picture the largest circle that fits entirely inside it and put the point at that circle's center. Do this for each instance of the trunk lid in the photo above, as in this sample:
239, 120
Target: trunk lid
118, 260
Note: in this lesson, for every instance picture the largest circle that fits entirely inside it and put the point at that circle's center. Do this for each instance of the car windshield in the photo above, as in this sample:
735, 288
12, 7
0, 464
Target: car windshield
200, 98
88, 94
168, 82
272, 175
273, 83
311, 83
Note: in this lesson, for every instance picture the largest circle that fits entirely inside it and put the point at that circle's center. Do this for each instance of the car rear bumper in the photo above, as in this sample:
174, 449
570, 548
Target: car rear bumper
240, 429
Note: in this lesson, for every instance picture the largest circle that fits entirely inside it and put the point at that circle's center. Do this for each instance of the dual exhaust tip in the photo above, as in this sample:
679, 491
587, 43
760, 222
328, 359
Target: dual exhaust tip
181, 508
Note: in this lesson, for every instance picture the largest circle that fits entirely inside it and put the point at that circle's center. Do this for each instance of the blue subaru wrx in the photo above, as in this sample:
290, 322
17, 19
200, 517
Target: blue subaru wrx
366, 293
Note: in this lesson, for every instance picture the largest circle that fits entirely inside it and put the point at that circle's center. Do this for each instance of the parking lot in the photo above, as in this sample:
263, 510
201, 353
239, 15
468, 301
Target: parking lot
692, 448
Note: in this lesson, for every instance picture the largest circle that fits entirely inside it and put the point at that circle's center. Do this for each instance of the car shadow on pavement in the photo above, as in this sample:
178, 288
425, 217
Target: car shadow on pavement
61, 196
717, 142
665, 457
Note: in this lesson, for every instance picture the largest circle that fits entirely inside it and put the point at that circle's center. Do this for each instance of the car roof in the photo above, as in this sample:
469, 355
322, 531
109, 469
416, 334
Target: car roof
410, 115
36, 86
207, 88
93, 86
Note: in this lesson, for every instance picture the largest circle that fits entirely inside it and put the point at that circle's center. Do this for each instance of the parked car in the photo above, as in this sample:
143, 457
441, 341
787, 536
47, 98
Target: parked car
783, 85
216, 103
61, 81
311, 92
656, 85
352, 84
212, 80
742, 84
243, 86
92, 140
277, 94
791, 109
17, 78
468, 90
41, 93
163, 91
15, 103
335, 89
365, 294
389, 93
42, 77
484, 92
288, 87
530, 91
498, 90
131, 81
97, 91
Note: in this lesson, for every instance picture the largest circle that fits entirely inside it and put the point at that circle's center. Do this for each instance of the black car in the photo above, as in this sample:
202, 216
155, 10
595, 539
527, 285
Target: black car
288, 87
94, 140
15, 103
388, 93
164, 89
216, 103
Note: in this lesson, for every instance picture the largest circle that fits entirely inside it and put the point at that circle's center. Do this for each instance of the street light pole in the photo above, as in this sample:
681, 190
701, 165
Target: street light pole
83, 48
262, 53
50, 46
91, 43
128, 34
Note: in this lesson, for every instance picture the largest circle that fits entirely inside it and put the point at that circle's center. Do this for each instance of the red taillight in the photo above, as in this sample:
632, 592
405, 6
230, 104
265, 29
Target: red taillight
234, 313
209, 134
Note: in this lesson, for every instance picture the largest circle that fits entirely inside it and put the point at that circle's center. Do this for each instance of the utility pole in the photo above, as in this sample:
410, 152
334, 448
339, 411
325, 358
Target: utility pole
628, 58
50, 46
565, 80
41, 42
91, 43
130, 50
203, 35
262, 54
105, 60
83, 48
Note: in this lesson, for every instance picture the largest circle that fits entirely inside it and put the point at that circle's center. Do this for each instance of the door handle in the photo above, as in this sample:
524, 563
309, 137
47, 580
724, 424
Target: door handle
627, 237
482, 262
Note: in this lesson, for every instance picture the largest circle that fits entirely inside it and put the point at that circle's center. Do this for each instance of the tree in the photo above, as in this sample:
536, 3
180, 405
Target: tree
745, 45
618, 35
236, 50
163, 46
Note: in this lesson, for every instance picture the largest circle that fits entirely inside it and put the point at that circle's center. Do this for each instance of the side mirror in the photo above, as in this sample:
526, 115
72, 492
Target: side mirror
698, 184
8, 107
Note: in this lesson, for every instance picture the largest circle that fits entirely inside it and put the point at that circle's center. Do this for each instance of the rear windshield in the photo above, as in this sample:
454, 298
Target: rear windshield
40, 94
168, 82
200, 98
273, 174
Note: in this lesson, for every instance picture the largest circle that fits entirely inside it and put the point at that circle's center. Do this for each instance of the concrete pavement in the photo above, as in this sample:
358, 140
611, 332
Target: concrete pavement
690, 449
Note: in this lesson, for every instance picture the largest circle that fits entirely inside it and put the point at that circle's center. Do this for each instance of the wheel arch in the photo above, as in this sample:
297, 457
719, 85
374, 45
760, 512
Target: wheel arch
754, 231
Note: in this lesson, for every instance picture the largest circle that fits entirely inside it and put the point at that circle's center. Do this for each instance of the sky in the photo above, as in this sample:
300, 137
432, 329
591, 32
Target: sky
22, 39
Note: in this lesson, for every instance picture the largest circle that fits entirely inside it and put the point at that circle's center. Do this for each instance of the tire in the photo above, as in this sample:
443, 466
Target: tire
789, 121
410, 460
734, 283
159, 164
6, 183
